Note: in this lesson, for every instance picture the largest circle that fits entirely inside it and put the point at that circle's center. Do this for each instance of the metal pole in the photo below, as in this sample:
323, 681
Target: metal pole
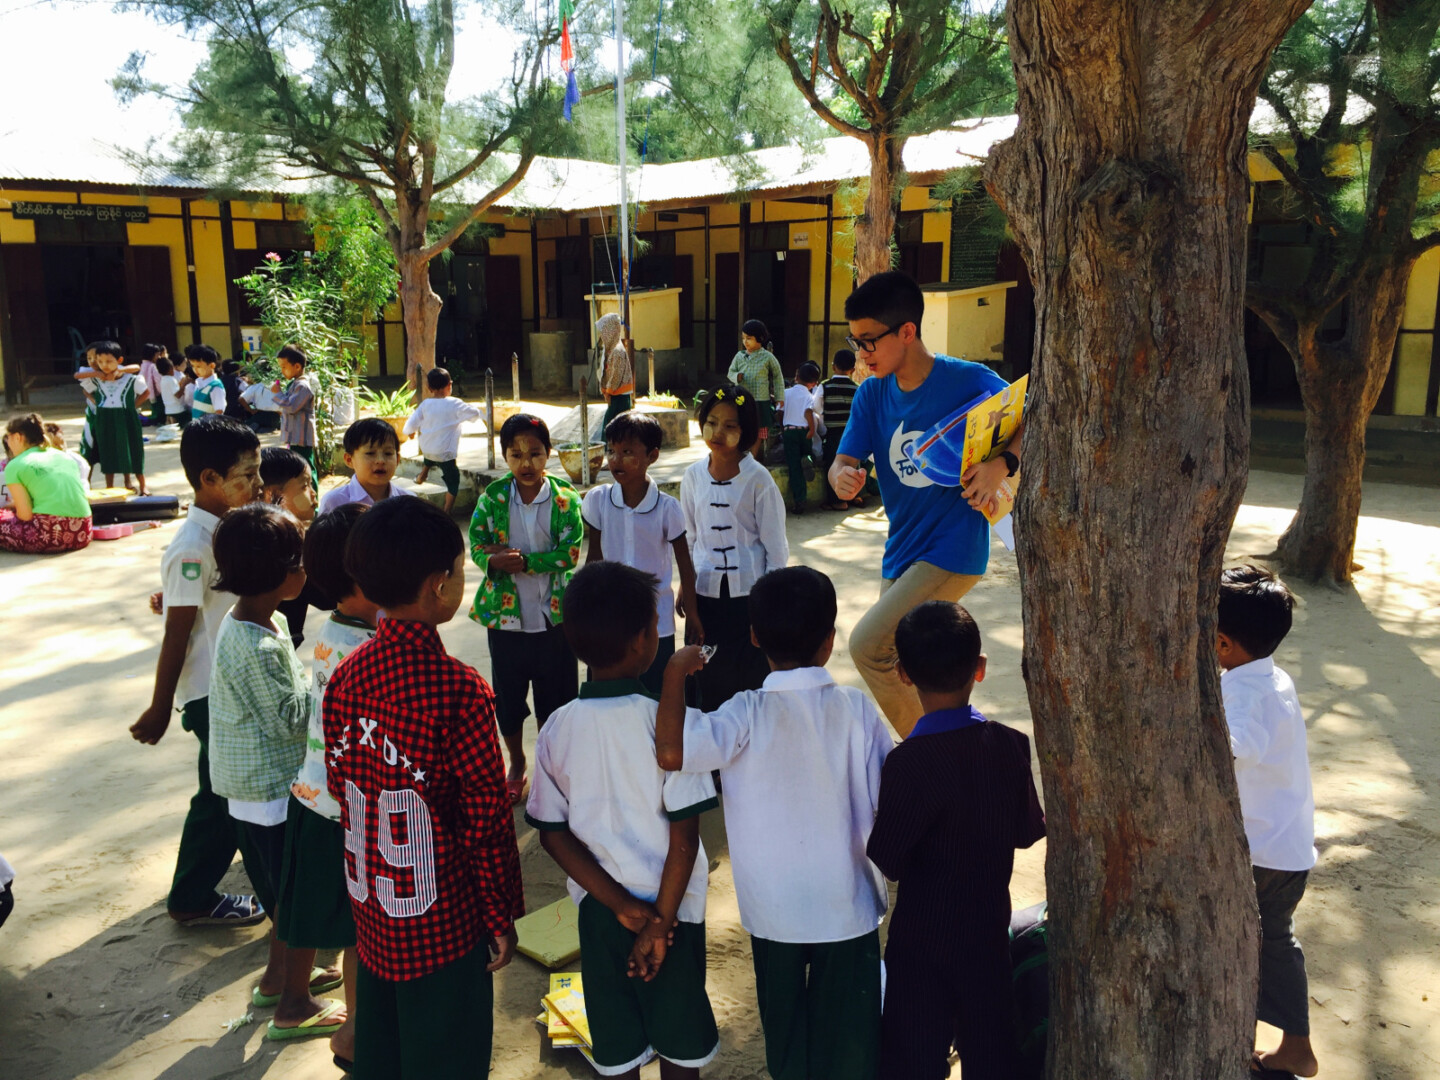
490, 415
620, 141
515, 374
584, 432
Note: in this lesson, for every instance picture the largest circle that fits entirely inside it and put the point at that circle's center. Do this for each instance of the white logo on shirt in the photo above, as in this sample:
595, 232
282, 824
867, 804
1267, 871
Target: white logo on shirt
904, 468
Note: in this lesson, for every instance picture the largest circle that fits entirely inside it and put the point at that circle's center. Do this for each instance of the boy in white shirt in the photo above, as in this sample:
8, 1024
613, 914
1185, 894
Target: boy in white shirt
1272, 770
437, 421
632, 522
372, 449
628, 835
800, 764
800, 431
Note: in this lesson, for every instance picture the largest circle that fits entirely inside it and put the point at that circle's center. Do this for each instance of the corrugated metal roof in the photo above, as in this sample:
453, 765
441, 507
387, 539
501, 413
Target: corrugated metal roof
561, 184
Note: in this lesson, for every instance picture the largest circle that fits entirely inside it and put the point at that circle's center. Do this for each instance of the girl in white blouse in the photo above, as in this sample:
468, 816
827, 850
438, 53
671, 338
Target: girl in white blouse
735, 522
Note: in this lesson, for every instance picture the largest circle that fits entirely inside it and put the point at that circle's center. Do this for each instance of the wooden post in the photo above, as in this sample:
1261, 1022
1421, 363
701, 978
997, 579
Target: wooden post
584, 432
515, 375
490, 416
650, 356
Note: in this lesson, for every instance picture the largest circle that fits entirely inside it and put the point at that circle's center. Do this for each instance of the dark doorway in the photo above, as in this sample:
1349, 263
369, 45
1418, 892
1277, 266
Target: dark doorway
480, 322
777, 292
504, 333
727, 308
1019, 310
86, 296
152, 296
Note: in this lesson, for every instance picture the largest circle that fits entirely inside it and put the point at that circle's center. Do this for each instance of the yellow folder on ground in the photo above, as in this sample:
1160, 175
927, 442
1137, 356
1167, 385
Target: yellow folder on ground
551, 934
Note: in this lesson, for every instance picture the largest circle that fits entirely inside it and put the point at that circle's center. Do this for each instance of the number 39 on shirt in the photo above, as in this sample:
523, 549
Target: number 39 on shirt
417, 854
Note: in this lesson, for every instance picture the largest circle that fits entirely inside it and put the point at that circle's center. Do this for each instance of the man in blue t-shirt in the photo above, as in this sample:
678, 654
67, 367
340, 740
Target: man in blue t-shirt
939, 542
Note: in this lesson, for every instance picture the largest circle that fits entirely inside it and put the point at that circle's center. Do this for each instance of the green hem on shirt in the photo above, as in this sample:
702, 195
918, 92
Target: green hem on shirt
547, 826
607, 688
686, 812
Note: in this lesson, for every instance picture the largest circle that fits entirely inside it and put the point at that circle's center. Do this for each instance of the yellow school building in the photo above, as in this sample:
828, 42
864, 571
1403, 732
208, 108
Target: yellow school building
94, 249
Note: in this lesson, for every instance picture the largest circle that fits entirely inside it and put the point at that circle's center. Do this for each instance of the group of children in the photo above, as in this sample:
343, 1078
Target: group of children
373, 805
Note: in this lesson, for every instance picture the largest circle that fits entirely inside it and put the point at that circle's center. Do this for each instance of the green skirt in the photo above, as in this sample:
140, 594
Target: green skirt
117, 441
314, 900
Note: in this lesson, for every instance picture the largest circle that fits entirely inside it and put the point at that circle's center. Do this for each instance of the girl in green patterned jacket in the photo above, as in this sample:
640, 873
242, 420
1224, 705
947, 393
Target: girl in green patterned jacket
525, 538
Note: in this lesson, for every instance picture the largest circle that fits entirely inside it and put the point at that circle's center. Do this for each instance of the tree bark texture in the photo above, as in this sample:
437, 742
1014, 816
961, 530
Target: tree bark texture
1126, 186
875, 228
1340, 383
419, 305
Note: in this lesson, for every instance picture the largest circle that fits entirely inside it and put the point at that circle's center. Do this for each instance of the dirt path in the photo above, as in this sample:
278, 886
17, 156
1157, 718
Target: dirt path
96, 981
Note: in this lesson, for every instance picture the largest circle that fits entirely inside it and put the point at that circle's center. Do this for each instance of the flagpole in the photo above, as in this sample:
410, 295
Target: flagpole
624, 282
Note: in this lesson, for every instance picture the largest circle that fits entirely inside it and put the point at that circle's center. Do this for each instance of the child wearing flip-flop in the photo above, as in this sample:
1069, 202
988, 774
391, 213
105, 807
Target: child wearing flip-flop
627, 834
259, 718
314, 903
431, 862
525, 538
1272, 771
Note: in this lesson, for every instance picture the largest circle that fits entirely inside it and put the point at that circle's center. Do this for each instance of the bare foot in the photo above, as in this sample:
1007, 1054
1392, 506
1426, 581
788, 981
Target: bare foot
1293, 1055
424, 475
342, 1043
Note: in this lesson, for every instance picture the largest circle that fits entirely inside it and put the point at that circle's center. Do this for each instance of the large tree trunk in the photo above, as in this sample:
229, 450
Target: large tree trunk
420, 308
1340, 382
1127, 188
875, 228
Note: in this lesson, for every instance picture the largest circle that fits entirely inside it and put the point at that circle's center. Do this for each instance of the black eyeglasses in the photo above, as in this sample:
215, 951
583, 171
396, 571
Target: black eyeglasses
867, 345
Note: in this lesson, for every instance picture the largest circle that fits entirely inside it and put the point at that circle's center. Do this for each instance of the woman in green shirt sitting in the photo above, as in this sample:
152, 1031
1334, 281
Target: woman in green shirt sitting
49, 510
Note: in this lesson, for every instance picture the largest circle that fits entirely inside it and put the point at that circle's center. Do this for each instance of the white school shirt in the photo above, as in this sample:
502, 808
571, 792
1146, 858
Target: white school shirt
529, 533
736, 528
799, 761
186, 570
351, 491
171, 396
1272, 767
595, 774
438, 422
797, 400
640, 537
259, 397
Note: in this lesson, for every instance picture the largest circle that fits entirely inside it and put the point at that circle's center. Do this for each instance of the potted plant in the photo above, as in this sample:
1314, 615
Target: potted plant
573, 461
394, 408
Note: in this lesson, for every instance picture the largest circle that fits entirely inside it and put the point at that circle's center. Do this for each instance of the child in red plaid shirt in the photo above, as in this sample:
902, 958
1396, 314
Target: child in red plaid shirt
431, 861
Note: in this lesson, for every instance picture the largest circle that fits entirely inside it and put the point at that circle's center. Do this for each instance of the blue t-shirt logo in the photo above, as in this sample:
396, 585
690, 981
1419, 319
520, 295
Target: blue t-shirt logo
904, 468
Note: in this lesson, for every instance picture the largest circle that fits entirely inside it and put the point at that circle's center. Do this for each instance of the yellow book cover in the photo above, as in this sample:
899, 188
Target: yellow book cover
988, 428
550, 935
570, 1004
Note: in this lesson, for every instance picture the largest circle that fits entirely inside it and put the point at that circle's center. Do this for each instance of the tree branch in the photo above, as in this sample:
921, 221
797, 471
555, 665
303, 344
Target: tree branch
481, 206
807, 88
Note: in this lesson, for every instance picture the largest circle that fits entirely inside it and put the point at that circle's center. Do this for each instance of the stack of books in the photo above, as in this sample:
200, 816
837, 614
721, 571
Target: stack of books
564, 1017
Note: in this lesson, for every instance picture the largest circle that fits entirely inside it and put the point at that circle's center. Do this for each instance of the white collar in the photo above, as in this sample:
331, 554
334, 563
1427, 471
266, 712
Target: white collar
543, 496
805, 678
648, 501
1264, 667
203, 518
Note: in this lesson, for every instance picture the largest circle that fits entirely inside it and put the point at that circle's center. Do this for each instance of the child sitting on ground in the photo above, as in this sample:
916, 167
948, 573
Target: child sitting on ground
525, 538
55, 439
372, 450
437, 420
1272, 771
799, 762
207, 391
632, 522
735, 525
800, 430
113, 438
221, 460
956, 800
260, 712
314, 903
410, 733
628, 835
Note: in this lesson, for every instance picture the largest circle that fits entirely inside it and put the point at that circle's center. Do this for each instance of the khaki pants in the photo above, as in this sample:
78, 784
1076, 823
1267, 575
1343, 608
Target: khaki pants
872, 642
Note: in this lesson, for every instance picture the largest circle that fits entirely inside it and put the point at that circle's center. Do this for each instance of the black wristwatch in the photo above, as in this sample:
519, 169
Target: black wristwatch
1011, 462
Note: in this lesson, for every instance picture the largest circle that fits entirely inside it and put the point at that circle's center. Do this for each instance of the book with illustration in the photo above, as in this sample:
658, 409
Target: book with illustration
971, 435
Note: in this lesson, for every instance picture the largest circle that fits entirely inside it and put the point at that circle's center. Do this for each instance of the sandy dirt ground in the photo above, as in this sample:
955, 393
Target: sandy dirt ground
95, 980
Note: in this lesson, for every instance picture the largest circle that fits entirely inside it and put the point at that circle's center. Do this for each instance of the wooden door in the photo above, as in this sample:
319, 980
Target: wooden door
151, 292
503, 311
727, 308
29, 310
795, 340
